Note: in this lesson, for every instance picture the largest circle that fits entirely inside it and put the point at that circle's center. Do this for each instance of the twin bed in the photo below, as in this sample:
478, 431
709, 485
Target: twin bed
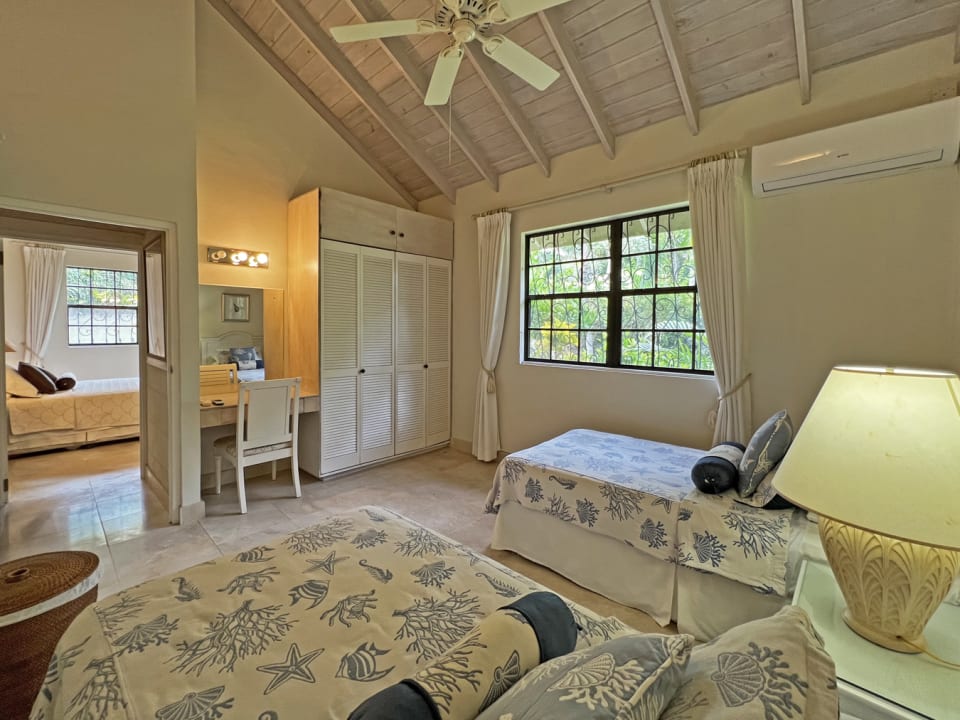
620, 516
93, 411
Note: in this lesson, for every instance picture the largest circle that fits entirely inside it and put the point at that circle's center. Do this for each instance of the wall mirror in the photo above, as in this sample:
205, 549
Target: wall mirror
242, 325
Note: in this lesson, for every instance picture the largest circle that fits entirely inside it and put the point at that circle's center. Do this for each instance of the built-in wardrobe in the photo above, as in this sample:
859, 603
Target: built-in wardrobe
369, 292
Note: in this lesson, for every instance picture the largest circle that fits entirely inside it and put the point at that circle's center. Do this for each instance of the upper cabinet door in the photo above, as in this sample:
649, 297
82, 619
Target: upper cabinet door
354, 219
421, 234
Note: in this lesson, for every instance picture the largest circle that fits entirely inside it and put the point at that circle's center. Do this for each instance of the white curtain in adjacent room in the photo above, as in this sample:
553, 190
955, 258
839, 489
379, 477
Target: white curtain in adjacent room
716, 213
493, 246
45, 268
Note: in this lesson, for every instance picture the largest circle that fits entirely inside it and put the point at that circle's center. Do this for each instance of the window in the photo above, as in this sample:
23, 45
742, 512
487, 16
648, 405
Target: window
620, 293
101, 307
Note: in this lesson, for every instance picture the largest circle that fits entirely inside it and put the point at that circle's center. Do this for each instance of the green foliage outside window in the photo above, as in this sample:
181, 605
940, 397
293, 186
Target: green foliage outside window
101, 307
621, 293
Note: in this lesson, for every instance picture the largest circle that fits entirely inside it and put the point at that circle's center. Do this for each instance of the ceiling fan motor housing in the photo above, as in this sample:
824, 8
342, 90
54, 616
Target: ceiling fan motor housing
473, 12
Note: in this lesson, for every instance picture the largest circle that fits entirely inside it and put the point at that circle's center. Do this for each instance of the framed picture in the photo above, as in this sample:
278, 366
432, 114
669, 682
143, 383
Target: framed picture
235, 308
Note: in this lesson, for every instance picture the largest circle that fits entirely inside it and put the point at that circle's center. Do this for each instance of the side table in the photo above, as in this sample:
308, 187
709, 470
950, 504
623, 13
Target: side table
876, 683
40, 595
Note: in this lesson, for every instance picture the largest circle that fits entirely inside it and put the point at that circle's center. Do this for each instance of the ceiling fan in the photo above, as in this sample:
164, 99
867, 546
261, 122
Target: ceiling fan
464, 21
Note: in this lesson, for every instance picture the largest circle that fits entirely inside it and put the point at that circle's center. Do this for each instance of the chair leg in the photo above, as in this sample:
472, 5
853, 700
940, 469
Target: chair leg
218, 463
241, 490
295, 471
273, 470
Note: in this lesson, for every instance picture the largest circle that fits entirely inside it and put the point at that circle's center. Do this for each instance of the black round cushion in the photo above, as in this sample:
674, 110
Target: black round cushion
67, 381
37, 377
719, 469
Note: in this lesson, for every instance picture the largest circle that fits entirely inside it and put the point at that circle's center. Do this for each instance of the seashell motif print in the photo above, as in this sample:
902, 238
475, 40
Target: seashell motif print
739, 678
597, 671
504, 677
200, 705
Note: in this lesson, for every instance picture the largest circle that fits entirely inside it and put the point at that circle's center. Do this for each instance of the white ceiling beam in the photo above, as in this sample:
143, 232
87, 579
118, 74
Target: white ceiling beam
358, 85
312, 100
803, 56
667, 25
552, 23
490, 76
400, 52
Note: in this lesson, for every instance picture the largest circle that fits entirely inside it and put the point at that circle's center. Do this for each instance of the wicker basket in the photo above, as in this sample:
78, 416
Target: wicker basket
40, 596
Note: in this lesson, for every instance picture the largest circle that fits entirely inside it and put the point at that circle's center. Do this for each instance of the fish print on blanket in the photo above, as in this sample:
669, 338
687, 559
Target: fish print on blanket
271, 629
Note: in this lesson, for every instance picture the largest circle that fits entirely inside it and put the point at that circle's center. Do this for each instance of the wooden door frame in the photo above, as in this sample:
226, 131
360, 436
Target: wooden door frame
72, 226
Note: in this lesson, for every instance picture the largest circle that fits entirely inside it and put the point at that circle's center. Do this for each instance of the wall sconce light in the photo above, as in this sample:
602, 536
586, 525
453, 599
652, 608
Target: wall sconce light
237, 258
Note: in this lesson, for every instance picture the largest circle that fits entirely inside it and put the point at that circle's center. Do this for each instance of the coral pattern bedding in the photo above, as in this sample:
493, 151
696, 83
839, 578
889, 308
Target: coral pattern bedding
305, 626
114, 402
639, 492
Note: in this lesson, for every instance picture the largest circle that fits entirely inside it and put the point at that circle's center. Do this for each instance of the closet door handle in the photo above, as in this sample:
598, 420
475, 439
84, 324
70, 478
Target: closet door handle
394, 232
401, 235
425, 367
362, 371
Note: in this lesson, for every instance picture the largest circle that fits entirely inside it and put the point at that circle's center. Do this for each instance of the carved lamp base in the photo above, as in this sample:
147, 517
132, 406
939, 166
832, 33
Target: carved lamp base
891, 587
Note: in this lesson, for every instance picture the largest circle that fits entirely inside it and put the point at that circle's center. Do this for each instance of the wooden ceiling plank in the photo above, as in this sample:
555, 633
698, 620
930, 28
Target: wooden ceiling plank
326, 47
399, 52
803, 57
678, 61
563, 45
491, 77
244, 30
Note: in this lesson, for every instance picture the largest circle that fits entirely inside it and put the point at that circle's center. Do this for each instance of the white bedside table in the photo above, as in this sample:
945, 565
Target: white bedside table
876, 683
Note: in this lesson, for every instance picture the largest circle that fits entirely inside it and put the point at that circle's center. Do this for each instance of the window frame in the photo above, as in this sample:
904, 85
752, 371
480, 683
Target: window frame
614, 296
90, 286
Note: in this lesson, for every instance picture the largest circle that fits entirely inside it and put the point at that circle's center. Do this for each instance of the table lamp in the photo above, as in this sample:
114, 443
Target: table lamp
878, 458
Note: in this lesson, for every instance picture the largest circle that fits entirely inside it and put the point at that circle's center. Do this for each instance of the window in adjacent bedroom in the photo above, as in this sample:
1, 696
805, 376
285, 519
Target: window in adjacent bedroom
101, 307
620, 293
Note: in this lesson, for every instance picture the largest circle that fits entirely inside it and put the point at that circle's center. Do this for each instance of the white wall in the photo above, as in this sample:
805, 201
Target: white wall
849, 272
87, 363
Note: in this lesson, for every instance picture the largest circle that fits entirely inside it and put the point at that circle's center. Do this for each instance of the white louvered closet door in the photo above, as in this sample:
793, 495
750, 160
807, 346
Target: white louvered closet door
411, 353
377, 365
339, 356
438, 351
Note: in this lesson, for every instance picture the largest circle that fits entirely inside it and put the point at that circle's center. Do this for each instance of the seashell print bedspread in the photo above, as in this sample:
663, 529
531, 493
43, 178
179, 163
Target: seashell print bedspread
307, 625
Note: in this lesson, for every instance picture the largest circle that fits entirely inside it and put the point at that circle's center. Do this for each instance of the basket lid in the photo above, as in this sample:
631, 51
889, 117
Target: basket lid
38, 583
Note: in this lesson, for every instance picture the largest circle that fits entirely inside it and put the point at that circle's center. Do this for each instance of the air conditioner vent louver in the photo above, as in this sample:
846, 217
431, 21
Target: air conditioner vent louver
921, 137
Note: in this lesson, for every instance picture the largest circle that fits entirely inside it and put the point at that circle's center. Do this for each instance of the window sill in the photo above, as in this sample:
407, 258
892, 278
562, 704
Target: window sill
623, 371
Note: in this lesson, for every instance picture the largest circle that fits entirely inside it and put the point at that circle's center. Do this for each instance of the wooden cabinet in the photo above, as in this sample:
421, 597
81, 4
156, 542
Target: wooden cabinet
358, 220
369, 328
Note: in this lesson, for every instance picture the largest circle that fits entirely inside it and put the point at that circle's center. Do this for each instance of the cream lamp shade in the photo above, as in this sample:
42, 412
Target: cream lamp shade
8, 347
878, 458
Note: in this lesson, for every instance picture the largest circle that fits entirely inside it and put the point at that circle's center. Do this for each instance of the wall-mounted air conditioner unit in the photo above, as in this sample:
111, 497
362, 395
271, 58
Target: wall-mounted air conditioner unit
921, 137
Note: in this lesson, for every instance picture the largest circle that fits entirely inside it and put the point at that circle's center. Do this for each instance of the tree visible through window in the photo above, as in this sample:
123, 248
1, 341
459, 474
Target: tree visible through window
619, 293
101, 307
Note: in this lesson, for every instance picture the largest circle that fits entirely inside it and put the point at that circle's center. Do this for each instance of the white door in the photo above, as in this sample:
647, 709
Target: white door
438, 351
376, 357
411, 352
339, 356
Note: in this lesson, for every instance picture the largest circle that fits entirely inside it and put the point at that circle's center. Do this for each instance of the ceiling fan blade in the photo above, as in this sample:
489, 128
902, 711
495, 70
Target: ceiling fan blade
515, 9
519, 61
444, 75
383, 29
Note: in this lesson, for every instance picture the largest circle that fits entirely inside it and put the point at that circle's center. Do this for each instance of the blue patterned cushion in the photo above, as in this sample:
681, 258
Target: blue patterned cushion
633, 676
244, 357
776, 667
767, 447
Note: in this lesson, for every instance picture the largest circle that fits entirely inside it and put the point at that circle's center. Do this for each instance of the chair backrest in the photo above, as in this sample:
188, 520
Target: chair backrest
268, 412
215, 377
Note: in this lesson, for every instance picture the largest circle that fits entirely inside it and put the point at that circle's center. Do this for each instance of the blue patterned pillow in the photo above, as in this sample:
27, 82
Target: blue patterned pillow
633, 676
767, 447
244, 357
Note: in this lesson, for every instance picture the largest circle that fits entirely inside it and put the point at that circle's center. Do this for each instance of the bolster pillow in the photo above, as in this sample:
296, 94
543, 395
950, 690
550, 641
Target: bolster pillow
67, 381
719, 469
472, 674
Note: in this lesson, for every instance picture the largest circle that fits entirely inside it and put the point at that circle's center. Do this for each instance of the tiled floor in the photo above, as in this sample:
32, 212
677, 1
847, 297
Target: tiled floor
93, 499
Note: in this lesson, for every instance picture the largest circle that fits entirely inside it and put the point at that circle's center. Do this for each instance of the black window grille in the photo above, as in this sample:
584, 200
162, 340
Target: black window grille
619, 293
101, 307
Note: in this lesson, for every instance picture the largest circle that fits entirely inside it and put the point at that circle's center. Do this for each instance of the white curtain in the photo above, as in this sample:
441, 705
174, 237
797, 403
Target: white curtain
44, 267
493, 246
716, 211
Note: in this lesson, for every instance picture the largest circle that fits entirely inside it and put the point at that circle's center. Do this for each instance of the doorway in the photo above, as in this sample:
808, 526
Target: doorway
154, 243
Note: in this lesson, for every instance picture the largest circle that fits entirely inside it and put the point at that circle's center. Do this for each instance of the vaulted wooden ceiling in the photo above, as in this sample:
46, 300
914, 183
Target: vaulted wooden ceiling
624, 64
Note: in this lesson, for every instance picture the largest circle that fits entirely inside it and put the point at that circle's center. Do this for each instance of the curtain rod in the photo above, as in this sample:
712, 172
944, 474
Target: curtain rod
610, 187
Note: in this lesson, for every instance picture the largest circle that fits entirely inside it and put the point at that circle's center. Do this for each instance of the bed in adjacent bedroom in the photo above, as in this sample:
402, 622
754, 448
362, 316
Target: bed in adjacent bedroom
314, 623
619, 515
93, 411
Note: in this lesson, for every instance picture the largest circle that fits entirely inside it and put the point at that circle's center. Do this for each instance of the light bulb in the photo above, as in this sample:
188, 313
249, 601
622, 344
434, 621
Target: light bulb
263, 258
242, 255
252, 262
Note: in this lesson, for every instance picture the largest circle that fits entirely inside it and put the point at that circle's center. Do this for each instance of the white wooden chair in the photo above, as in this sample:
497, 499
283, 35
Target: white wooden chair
268, 419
